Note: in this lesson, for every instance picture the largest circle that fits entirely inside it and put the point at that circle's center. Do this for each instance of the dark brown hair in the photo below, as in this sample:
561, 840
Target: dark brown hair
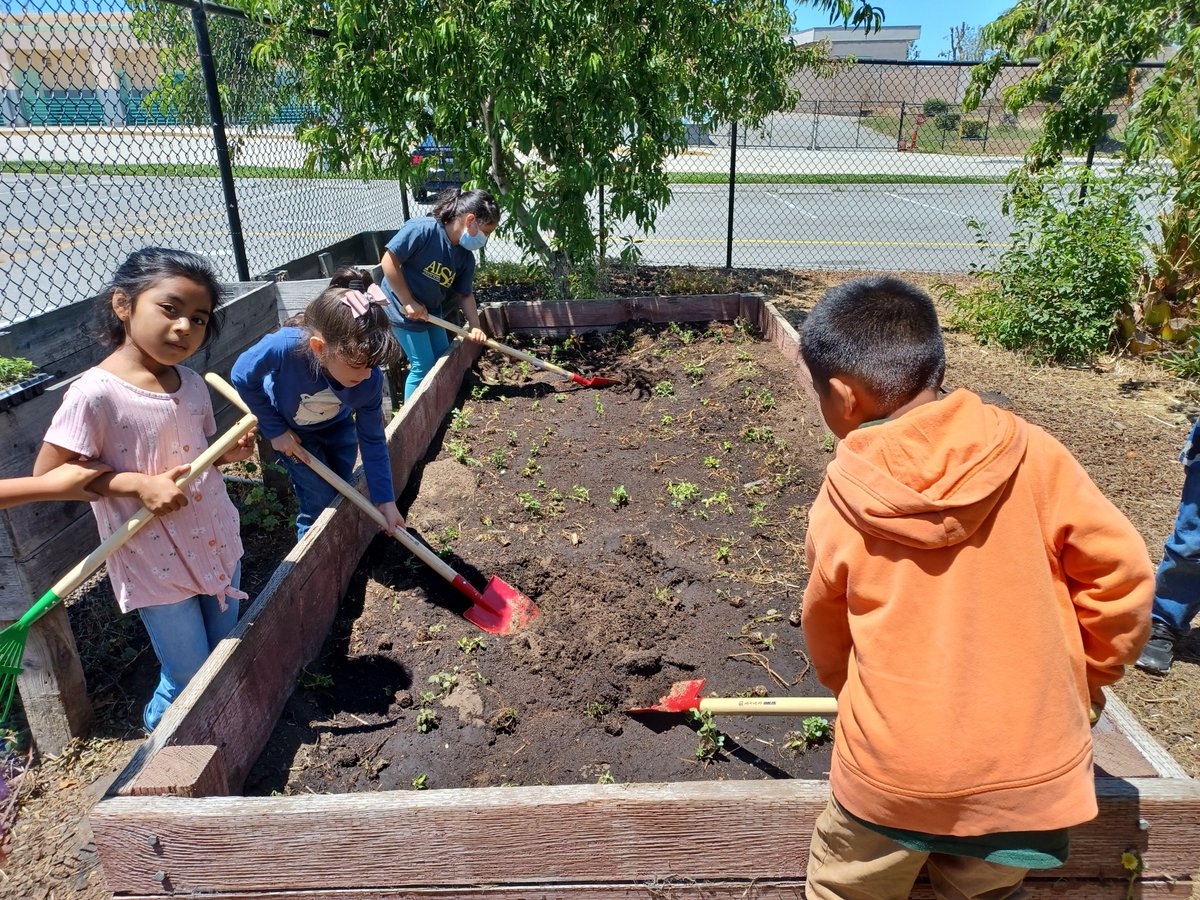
455, 202
362, 341
141, 271
346, 276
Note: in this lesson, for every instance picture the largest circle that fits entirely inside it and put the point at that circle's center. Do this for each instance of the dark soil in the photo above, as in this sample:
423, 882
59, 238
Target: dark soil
698, 575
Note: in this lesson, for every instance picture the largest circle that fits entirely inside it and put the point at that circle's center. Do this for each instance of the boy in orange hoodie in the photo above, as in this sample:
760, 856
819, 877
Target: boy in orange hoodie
970, 593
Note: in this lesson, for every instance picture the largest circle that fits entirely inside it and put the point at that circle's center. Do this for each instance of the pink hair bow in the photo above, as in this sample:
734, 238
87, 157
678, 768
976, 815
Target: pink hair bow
361, 301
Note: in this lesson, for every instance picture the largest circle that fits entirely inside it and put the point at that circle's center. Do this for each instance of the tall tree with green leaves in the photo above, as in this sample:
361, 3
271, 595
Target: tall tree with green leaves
1086, 53
543, 100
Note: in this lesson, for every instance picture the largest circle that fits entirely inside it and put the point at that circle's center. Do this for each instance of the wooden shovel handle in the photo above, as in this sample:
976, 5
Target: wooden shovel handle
769, 706
504, 348
348, 491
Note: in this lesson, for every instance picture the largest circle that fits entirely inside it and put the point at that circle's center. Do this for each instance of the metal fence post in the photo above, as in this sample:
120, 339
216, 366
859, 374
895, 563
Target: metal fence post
211, 93
900, 130
732, 183
1088, 165
603, 234
987, 127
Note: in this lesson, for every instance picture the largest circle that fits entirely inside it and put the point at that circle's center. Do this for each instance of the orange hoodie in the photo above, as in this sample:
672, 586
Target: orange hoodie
969, 588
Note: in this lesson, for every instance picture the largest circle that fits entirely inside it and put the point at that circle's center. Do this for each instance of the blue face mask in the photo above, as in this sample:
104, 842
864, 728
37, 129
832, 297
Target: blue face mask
472, 242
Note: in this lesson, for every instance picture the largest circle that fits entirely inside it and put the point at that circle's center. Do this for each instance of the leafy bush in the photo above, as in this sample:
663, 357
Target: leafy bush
935, 106
1071, 265
973, 129
14, 369
947, 121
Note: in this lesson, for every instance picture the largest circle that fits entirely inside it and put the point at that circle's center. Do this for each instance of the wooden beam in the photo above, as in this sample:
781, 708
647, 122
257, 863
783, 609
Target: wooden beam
702, 831
185, 771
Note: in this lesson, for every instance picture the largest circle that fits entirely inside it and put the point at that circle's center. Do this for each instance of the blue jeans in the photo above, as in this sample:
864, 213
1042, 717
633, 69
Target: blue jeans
183, 634
1177, 585
423, 348
337, 447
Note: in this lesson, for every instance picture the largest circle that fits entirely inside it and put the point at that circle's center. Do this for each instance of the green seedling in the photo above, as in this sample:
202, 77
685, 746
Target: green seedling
596, 709
766, 400
694, 371
726, 446
460, 451
314, 681
541, 483
524, 369
560, 398
606, 778
460, 419
720, 498
757, 519
448, 535
436, 629
499, 458
512, 438
532, 467
505, 721
758, 434
535, 450
711, 739
711, 462
827, 442
444, 681
814, 731
682, 492
535, 406
421, 782
666, 421
469, 645
619, 496
531, 504
580, 494
427, 720
479, 392
727, 542
663, 595
599, 405
665, 389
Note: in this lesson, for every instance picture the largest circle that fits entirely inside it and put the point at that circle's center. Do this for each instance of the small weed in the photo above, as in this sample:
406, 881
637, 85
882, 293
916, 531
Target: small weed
727, 542
421, 782
530, 503
665, 389
479, 392
766, 400
447, 536
720, 498
827, 442
535, 450
445, 681
314, 681
682, 492
726, 446
758, 434
460, 419
599, 405
711, 462
711, 739
469, 645
499, 458
619, 496
580, 494
525, 370
606, 778
663, 595
535, 406
814, 731
505, 721
666, 421
262, 508
694, 371
460, 451
512, 438
436, 629
532, 467
427, 720
596, 709
757, 519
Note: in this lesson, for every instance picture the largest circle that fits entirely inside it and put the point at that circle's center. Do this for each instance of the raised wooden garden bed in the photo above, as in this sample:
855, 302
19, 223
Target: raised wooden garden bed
173, 825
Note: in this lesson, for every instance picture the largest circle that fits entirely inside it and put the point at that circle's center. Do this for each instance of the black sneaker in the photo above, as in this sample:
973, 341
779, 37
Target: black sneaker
1159, 652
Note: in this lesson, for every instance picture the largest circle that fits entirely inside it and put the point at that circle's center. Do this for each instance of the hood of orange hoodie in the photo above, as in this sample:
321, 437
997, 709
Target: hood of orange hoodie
929, 478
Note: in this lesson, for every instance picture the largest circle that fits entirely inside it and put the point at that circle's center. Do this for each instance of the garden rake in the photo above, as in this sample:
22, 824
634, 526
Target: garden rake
594, 382
499, 609
685, 696
14, 637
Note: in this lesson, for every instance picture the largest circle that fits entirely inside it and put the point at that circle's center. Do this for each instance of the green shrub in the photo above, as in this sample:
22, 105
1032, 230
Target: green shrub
1069, 268
14, 369
973, 129
947, 121
935, 106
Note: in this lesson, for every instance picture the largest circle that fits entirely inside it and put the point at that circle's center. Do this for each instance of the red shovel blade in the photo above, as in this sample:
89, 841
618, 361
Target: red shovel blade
501, 608
684, 695
595, 381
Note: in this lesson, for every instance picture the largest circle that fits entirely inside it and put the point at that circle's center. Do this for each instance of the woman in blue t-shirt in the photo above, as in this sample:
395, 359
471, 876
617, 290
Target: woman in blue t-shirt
428, 259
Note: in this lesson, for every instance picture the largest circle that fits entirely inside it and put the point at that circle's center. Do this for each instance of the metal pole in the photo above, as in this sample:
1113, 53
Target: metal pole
211, 93
732, 182
987, 127
1083, 184
900, 130
603, 234
404, 202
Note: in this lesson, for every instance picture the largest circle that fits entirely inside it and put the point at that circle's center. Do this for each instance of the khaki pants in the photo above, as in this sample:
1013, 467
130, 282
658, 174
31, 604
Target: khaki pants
848, 861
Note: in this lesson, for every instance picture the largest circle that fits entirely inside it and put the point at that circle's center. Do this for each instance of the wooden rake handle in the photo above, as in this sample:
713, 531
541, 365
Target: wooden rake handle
504, 348
348, 491
83, 569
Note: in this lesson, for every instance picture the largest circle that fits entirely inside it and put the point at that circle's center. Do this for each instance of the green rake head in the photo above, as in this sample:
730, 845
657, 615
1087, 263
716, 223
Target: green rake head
12, 650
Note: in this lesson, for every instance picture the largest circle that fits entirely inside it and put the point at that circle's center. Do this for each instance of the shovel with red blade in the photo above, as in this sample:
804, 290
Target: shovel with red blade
500, 609
685, 696
594, 382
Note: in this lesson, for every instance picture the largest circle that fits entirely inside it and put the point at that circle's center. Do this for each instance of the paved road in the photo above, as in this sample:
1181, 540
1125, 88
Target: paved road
63, 235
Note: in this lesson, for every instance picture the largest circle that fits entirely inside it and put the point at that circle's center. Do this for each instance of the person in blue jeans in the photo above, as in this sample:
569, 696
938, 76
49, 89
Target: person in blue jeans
317, 389
426, 261
1177, 584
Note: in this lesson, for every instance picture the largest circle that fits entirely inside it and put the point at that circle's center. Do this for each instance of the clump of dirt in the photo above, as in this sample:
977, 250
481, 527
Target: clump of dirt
659, 530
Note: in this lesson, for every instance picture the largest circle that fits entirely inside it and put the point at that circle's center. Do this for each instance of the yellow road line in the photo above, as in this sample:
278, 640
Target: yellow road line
721, 241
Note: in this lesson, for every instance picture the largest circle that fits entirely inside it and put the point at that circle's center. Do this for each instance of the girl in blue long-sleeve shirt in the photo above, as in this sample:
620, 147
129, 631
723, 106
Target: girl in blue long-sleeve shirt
316, 386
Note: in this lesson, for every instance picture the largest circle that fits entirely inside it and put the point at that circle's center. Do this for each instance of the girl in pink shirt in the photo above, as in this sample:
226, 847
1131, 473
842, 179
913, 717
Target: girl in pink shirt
146, 417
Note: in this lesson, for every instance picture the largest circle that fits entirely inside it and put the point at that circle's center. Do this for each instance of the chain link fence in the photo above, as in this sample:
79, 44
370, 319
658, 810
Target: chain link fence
108, 144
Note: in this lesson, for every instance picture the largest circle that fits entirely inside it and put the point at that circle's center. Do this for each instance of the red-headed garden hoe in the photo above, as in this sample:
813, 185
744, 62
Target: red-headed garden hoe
500, 609
685, 696
594, 382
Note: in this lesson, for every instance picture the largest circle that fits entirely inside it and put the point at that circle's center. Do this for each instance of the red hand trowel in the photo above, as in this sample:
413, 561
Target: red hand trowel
685, 696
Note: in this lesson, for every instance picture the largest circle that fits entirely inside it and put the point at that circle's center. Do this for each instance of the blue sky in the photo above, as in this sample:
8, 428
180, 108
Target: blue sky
934, 16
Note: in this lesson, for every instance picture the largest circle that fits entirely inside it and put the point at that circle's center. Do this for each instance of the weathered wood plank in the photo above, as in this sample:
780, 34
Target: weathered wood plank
1147, 747
53, 691
667, 888
294, 296
576, 316
236, 697
192, 770
699, 830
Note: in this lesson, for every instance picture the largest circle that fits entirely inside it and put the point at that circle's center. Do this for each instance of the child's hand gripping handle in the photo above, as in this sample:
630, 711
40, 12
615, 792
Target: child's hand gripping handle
114, 541
418, 549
